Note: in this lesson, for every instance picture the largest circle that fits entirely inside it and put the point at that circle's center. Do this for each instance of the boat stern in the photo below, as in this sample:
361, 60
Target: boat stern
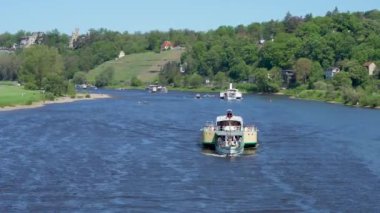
250, 137
208, 136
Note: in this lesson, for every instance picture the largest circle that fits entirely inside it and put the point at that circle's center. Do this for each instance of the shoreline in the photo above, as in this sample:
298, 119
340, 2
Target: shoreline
332, 102
59, 100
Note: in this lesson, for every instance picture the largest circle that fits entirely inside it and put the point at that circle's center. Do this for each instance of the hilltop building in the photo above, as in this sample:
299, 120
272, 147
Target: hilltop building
166, 45
74, 38
35, 38
77, 40
371, 67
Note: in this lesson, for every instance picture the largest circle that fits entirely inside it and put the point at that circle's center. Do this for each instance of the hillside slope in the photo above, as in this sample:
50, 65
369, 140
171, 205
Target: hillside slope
146, 66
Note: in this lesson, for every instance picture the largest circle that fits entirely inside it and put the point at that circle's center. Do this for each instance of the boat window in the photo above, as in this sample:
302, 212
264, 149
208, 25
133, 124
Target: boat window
228, 123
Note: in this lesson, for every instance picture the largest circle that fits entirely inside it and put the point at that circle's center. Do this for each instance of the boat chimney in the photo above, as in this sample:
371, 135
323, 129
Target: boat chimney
230, 85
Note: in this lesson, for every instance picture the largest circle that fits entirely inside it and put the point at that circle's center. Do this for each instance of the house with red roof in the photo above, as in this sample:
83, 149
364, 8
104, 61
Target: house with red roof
166, 45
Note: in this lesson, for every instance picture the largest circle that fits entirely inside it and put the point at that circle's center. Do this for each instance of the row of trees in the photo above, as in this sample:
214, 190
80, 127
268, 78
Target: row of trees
328, 41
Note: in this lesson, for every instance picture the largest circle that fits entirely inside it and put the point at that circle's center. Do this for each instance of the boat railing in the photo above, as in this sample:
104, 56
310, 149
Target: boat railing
250, 129
209, 126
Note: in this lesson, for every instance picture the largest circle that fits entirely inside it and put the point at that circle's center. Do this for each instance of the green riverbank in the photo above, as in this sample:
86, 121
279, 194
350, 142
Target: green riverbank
11, 95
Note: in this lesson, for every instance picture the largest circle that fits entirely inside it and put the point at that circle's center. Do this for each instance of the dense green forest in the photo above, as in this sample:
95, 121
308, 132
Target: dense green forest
253, 56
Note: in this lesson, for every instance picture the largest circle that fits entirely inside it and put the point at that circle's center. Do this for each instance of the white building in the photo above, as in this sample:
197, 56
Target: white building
331, 72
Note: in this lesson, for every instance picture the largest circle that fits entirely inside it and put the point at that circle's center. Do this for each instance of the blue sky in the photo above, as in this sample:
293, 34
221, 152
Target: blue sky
147, 15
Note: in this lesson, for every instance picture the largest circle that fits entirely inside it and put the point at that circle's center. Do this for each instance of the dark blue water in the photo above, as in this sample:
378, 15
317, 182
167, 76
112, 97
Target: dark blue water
139, 152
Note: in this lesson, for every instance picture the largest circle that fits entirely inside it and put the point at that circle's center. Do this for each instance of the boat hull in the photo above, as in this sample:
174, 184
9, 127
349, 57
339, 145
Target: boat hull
209, 138
229, 150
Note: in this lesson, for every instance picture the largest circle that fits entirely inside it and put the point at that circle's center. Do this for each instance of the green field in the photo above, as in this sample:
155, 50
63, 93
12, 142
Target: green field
145, 66
16, 95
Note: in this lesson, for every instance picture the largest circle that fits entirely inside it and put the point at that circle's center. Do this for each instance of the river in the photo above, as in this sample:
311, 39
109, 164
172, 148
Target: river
139, 152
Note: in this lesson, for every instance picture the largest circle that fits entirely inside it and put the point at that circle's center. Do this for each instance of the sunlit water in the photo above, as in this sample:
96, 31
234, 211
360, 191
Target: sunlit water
140, 152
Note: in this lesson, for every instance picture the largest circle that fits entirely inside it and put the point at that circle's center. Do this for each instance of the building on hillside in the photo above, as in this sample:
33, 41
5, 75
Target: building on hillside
74, 38
121, 54
77, 40
181, 68
371, 67
331, 72
166, 45
288, 78
35, 38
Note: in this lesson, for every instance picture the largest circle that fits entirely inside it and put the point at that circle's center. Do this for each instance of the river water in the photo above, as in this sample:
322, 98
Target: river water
139, 152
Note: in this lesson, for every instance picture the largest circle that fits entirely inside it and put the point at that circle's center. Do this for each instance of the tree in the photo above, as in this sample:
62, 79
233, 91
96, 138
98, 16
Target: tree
220, 80
342, 79
71, 64
316, 48
264, 81
79, 78
135, 81
170, 74
239, 71
281, 52
195, 80
250, 54
55, 84
303, 67
291, 22
37, 63
358, 74
316, 72
9, 66
105, 77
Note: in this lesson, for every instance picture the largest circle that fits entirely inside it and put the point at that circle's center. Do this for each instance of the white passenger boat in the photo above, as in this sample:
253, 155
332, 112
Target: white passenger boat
228, 135
231, 94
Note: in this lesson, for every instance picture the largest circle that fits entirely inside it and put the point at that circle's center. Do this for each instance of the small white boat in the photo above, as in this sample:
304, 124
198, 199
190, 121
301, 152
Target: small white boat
153, 88
231, 94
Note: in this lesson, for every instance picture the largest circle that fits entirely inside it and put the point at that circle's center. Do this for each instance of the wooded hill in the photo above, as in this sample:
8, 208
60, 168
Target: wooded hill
254, 54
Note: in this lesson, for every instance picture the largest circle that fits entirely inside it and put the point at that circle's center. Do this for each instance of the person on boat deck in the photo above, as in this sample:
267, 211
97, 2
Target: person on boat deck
229, 113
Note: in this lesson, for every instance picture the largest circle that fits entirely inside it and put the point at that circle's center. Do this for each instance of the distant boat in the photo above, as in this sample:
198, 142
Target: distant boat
154, 88
231, 94
208, 96
198, 96
228, 135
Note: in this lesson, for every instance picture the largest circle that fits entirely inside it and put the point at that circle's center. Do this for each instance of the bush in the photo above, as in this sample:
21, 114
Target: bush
312, 94
320, 85
88, 95
55, 84
247, 87
135, 82
332, 95
370, 100
195, 81
30, 86
350, 96
105, 77
71, 90
79, 78
49, 96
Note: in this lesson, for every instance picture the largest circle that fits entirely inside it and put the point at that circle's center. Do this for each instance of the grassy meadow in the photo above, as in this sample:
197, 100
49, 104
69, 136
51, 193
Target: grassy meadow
146, 66
11, 95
